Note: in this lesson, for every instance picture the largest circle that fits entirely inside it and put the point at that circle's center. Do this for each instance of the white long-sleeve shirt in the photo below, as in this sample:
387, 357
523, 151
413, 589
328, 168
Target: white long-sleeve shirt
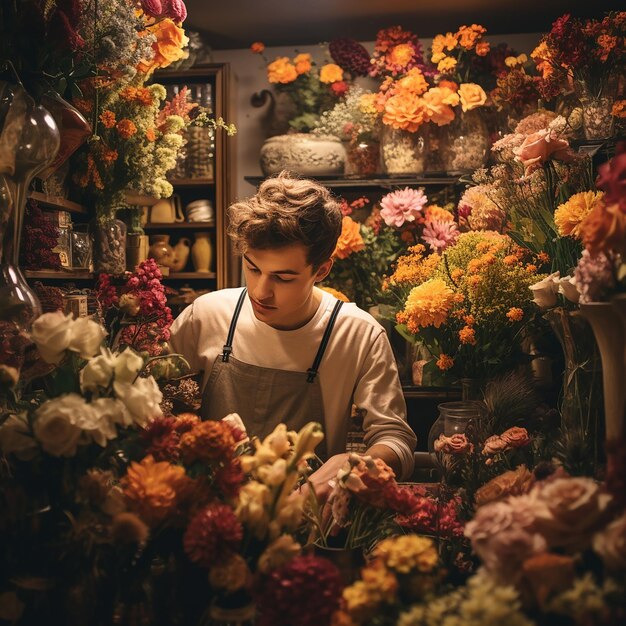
358, 365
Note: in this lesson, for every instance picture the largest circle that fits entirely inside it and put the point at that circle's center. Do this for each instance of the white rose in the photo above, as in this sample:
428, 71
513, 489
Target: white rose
545, 291
55, 426
567, 286
98, 371
16, 438
100, 422
86, 337
127, 365
142, 399
51, 334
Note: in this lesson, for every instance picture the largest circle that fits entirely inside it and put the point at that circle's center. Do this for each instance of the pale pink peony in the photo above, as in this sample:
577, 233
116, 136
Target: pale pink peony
404, 205
439, 234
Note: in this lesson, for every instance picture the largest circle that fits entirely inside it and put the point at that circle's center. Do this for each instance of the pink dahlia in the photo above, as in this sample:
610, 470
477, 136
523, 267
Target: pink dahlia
439, 234
404, 205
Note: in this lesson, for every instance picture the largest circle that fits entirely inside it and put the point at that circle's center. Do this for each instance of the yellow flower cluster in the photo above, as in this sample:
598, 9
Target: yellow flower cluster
569, 216
428, 304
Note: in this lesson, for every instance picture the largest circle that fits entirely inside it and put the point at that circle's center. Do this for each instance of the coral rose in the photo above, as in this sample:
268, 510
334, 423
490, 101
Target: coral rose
471, 96
541, 146
456, 444
516, 437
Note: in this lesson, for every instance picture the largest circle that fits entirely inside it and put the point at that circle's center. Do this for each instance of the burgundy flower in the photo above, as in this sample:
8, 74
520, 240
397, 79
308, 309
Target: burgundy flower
305, 592
400, 499
350, 55
153, 8
162, 439
229, 478
211, 534
612, 178
175, 9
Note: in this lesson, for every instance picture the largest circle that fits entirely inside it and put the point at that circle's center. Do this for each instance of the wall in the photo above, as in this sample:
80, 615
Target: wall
249, 69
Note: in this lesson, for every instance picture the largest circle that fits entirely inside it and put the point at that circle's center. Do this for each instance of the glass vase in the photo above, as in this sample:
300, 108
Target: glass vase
403, 153
109, 246
464, 143
597, 107
362, 157
454, 418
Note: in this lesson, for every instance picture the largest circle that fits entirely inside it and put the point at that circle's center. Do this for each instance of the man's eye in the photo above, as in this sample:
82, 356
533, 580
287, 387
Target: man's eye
283, 280
254, 270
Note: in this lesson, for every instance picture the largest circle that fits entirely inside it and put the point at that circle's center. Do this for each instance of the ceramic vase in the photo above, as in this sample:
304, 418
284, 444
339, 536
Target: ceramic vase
181, 254
161, 250
202, 253
608, 320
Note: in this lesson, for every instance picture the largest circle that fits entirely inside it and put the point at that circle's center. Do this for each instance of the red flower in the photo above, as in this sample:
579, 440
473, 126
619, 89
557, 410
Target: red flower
612, 178
162, 439
305, 592
211, 534
400, 499
339, 87
229, 478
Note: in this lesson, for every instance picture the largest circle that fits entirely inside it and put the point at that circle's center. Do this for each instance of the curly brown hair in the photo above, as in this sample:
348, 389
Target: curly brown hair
287, 209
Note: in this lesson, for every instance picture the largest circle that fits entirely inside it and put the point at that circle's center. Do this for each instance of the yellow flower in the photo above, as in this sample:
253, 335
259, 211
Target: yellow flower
448, 41
444, 362
367, 103
428, 304
331, 73
350, 239
381, 581
569, 215
281, 71
406, 553
360, 601
447, 65
472, 96
438, 56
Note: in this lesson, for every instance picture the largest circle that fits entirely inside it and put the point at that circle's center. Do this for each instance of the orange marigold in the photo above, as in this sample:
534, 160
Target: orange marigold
531, 268
126, 128
331, 73
428, 304
456, 274
257, 47
207, 440
303, 63
469, 35
482, 48
405, 110
467, 336
444, 362
515, 314
137, 94
350, 239
470, 320
510, 259
543, 257
107, 118
281, 71
155, 489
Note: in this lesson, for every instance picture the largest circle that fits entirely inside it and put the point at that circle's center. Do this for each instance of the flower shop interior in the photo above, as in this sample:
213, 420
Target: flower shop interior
471, 162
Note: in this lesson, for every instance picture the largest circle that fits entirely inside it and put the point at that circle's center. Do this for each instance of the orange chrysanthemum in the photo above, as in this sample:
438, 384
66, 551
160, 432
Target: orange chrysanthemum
281, 71
350, 239
401, 55
137, 94
331, 73
302, 63
126, 128
569, 216
469, 35
155, 489
428, 304
405, 111
604, 229
456, 274
414, 82
257, 47
444, 362
470, 320
108, 119
482, 48
510, 259
207, 441
467, 336
515, 314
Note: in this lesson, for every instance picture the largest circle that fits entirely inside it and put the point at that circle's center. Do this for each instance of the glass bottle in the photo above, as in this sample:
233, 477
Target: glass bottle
454, 419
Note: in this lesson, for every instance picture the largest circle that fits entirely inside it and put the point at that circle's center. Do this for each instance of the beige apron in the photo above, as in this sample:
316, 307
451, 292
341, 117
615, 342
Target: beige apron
262, 396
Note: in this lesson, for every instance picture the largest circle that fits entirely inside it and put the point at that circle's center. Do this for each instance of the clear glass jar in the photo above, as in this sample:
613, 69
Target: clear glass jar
402, 152
363, 157
464, 143
110, 246
82, 249
454, 419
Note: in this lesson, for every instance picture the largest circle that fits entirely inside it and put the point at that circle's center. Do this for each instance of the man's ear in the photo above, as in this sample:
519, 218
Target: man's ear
323, 270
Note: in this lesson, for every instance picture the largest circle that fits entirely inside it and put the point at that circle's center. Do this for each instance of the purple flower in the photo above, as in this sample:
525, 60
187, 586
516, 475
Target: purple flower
404, 205
594, 277
440, 234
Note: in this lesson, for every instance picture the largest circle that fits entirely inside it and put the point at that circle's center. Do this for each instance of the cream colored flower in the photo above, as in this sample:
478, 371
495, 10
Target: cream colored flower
98, 372
307, 439
86, 337
55, 424
52, 334
16, 438
273, 474
127, 365
142, 399
279, 552
471, 96
252, 507
544, 292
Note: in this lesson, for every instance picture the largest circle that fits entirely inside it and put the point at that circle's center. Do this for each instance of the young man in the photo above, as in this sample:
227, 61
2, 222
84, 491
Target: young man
283, 350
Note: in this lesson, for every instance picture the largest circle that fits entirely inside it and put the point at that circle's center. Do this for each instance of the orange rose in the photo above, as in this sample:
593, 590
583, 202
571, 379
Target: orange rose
281, 71
350, 239
472, 96
331, 73
257, 47
438, 111
168, 47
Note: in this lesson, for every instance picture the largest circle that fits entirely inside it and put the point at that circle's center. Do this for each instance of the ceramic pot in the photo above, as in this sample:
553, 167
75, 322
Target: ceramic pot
202, 253
167, 211
181, 254
305, 154
161, 250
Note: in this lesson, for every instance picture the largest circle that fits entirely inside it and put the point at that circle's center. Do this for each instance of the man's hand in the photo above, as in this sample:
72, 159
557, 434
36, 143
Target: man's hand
320, 478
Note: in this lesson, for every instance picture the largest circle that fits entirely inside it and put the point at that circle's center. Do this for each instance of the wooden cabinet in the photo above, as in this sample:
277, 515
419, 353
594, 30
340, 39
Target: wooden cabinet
206, 171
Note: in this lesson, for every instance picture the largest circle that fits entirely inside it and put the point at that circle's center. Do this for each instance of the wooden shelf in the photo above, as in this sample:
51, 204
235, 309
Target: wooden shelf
77, 274
181, 183
191, 275
179, 225
434, 393
379, 180
58, 203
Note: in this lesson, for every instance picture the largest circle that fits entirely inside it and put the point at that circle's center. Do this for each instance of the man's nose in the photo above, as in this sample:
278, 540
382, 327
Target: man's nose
263, 289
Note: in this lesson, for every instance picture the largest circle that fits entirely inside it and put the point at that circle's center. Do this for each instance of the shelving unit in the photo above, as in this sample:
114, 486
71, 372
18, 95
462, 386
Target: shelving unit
378, 181
77, 274
165, 226
58, 203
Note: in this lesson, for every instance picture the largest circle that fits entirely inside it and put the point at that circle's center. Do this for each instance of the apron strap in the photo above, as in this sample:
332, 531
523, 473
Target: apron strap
312, 371
228, 346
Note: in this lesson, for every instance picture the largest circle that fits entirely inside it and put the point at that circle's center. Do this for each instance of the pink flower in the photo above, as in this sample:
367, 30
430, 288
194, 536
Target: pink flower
404, 205
456, 444
493, 445
540, 147
516, 437
439, 234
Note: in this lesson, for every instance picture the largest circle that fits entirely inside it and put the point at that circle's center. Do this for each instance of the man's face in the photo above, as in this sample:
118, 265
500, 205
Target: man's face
280, 284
